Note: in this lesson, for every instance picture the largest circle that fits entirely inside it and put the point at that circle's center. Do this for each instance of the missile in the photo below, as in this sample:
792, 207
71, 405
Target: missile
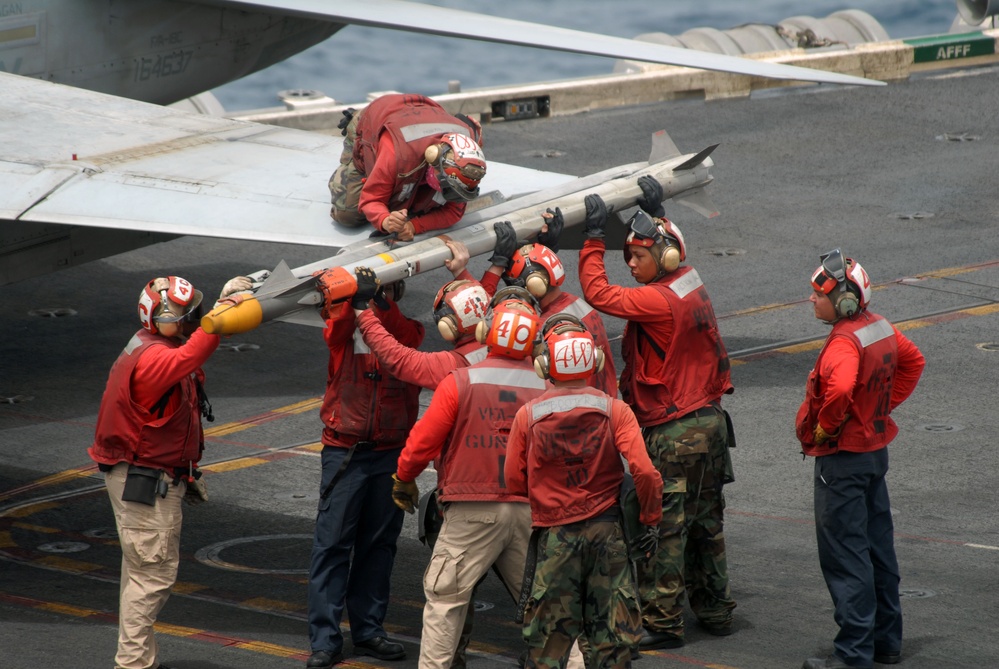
291, 295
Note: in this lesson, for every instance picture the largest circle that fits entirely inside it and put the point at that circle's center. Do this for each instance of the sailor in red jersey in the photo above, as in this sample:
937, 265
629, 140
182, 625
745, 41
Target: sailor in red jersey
864, 371
458, 308
538, 268
676, 370
148, 443
366, 416
565, 453
407, 167
465, 430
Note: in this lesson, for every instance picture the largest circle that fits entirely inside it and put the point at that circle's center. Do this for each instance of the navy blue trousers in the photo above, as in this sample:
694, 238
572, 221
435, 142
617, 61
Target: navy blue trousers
855, 535
359, 516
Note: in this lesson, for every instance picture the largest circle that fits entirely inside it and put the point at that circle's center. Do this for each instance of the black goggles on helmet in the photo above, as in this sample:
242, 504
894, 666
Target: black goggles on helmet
644, 226
831, 273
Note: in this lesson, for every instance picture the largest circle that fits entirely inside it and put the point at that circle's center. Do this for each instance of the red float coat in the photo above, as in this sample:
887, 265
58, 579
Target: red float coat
675, 360
605, 381
421, 368
465, 429
149, 367
865, 369
362, 401
392, 134
565, 453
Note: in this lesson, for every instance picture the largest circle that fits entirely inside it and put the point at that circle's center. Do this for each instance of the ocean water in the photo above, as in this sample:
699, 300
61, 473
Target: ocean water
358, 60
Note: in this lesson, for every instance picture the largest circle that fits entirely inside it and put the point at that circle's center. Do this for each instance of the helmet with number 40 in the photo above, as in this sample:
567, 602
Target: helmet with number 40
511, 326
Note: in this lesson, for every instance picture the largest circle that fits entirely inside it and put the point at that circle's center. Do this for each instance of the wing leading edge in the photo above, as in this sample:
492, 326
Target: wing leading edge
76, 157
416, 17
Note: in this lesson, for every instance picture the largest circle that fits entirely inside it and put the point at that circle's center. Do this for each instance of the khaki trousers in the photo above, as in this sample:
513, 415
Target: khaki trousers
474, 537
150, 554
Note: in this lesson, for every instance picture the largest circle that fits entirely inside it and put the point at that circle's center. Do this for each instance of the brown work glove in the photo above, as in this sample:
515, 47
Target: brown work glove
405, 494
821, 436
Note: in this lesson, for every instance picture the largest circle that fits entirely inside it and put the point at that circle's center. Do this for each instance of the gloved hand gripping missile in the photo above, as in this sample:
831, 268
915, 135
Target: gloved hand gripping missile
554, 222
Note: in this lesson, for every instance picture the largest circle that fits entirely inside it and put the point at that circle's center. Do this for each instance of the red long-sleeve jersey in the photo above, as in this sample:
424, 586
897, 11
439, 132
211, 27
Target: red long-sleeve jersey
421, 368
161, 368
378, 191
840, 366
430, 434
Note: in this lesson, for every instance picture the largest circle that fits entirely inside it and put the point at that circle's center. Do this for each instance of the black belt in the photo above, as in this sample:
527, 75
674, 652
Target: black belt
611, 515
703, 412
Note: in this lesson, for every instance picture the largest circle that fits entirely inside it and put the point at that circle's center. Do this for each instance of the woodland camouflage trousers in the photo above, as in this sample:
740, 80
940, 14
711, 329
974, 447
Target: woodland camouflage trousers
692, 454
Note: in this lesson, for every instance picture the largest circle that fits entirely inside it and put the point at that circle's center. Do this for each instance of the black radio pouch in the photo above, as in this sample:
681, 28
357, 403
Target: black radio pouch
142, 484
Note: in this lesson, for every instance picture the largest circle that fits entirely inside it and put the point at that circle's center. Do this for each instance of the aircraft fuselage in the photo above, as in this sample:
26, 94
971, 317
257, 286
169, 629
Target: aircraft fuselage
157, 51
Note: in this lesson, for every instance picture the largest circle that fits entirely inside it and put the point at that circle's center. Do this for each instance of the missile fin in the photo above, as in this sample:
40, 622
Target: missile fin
698, 200
696, 160
663, 148
308, 317
280, 281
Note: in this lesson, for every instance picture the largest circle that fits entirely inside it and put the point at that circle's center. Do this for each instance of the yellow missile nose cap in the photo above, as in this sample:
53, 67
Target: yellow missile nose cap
227, 319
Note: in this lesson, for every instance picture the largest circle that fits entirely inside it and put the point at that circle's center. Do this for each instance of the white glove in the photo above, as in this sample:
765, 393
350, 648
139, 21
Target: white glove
237, 284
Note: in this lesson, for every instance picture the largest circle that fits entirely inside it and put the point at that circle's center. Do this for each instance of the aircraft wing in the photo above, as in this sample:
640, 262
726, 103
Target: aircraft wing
77, 157
422, 18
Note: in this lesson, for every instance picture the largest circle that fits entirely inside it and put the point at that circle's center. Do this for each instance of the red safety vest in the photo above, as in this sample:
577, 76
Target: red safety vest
870, 426
470, 352
470, 466
574, 469
127, 432
362, 403
566, 303
414, 122
697, 365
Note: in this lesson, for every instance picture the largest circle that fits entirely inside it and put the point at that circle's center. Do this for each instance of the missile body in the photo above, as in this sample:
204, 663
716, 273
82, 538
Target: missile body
291, 295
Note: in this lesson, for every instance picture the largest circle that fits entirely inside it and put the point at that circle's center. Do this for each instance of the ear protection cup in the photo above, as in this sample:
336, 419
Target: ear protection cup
598, 353
482, 329
448, 329
432, 154
541, 364
669, 259
537, 284
846, 304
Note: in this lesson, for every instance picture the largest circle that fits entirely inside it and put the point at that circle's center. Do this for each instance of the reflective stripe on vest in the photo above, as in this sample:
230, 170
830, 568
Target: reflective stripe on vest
520, 378
873, 333
565, 403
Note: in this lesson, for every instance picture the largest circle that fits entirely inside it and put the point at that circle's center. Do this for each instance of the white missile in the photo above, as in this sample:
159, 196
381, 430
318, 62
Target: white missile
290, 295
